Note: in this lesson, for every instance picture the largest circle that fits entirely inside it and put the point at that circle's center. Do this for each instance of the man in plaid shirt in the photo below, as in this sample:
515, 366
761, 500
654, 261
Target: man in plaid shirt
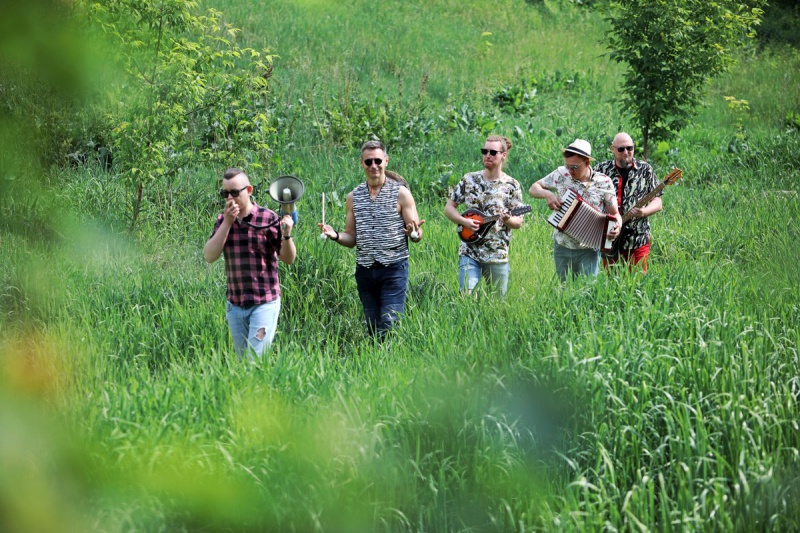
252, 238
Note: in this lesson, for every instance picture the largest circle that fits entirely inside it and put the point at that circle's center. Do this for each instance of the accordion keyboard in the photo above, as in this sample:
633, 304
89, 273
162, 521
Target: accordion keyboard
566, 202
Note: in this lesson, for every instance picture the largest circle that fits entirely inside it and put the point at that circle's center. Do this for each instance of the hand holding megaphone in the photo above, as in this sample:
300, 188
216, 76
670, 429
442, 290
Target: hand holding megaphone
287, 223
286, 190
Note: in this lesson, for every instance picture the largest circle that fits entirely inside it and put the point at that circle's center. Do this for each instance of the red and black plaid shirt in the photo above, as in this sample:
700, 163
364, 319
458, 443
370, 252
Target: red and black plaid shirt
251, 258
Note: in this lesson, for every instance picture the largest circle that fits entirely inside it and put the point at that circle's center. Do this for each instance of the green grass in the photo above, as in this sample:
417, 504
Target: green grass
659, 402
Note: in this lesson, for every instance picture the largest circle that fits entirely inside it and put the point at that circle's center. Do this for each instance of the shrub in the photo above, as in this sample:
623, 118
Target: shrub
350, 121
672, 49
188, 91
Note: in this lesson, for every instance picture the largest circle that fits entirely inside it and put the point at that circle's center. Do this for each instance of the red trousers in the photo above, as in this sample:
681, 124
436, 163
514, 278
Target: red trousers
633, 257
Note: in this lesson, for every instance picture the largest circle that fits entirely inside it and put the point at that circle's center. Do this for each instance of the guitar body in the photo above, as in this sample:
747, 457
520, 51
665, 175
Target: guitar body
486, 221
616, 246
474, 237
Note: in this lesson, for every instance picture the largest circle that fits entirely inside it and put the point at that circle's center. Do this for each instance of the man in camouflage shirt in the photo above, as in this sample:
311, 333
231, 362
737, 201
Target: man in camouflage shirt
633, 179
493, 192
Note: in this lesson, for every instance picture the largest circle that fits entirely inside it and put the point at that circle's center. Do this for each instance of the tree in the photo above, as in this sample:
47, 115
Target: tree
189, 93
672, 49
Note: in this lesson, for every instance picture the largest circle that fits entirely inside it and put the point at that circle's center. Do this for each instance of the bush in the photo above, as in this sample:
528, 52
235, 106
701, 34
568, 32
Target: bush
350, 121
187, 91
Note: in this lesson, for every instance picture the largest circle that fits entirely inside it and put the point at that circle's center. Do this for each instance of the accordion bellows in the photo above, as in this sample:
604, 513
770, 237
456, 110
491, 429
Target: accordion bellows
583, 222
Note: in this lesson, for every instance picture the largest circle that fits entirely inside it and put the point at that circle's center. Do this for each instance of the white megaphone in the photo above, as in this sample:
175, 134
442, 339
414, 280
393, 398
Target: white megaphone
286, 190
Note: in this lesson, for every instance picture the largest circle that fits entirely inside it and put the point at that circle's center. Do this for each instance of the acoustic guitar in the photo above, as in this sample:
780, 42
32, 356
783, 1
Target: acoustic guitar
671, 178
486, 221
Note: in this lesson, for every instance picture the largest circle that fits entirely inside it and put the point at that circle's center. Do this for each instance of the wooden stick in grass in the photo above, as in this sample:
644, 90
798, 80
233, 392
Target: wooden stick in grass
322, 235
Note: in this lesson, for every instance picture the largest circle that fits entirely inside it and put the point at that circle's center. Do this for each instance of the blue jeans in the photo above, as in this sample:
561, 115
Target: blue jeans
470, 272
382, 290
573, 263
253, 328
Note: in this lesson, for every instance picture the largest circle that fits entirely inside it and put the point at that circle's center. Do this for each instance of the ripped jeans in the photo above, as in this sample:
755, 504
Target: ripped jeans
253, 328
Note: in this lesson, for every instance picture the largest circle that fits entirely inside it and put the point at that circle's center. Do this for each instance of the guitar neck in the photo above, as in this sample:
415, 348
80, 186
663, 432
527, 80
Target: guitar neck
644, 201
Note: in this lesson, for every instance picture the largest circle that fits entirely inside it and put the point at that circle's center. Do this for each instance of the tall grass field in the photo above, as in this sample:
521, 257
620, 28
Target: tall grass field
668, 401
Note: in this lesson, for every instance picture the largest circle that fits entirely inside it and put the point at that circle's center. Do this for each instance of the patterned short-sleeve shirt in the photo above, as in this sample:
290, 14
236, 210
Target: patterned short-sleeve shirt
598, 191
641, 180
491, 198
251, 258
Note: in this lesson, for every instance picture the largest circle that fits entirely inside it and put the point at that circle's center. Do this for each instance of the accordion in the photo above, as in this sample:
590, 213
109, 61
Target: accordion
583, 222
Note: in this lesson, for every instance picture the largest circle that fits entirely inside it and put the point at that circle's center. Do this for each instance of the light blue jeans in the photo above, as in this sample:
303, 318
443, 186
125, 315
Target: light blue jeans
253, 328
470, 272
573, 263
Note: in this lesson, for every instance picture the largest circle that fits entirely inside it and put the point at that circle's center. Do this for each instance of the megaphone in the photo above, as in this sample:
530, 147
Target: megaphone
286, 190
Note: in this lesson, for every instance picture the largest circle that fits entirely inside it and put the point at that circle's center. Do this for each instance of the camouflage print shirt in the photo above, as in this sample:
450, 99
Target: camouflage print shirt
641, 180
598, 191
491, 198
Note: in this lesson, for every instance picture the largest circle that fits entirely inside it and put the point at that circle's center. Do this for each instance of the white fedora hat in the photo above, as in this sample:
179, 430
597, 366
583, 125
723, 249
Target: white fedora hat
579, 147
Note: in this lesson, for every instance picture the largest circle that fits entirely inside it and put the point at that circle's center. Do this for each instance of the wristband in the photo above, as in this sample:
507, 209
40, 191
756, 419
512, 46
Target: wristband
285, 237
337, 236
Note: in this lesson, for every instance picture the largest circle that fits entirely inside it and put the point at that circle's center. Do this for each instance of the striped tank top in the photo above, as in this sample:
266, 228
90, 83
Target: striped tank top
379, 227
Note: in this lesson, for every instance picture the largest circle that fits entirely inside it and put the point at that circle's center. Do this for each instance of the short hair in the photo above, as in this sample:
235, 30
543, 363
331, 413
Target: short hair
374, 144
232, 173
567, 154
505, 141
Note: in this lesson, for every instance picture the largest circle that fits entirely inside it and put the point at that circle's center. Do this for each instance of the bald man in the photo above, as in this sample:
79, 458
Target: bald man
633, 179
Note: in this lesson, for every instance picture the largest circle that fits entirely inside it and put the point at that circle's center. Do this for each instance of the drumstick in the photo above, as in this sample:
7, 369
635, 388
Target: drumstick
322, 235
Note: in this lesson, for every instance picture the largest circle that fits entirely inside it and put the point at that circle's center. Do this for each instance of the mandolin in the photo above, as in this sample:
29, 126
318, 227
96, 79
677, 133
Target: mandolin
476, 237
671, 178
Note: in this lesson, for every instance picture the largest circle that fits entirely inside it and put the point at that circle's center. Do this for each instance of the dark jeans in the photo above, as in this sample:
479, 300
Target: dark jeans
382, 289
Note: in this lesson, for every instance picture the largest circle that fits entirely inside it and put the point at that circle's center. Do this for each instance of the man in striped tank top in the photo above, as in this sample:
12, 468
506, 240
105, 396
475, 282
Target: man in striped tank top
381, 219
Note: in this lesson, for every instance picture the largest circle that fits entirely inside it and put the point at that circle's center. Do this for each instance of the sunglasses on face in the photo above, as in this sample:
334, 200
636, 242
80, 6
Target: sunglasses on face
484, 151
232, 193
621, 149
376, 161
574, 167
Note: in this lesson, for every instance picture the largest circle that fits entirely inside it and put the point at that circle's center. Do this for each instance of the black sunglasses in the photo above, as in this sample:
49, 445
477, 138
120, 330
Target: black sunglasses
369, 162
484, 151
233, 194
621, 149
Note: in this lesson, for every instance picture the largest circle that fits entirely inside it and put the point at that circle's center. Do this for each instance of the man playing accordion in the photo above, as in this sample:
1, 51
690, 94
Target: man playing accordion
571, 256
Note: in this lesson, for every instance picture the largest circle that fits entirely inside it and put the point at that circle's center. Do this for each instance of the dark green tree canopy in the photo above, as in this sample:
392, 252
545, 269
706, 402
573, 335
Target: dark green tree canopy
672, 48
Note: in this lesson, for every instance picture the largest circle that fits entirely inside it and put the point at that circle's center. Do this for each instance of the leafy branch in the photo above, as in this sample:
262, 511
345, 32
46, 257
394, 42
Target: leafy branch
193, 94
672, 49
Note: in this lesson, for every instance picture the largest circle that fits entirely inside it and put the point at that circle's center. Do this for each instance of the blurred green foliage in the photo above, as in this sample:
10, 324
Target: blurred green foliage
779, 27
666, 402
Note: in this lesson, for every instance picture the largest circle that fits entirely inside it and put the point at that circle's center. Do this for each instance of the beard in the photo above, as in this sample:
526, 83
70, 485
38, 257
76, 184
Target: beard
628, 163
